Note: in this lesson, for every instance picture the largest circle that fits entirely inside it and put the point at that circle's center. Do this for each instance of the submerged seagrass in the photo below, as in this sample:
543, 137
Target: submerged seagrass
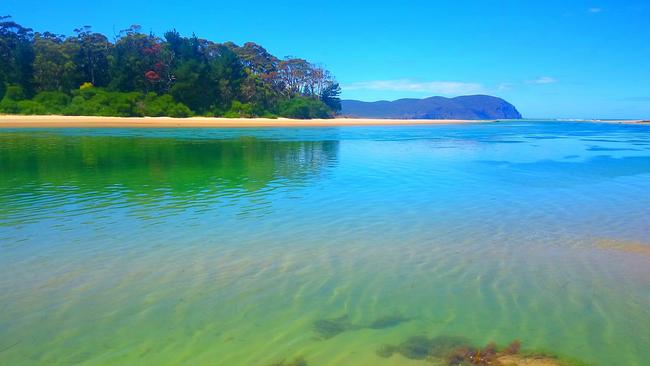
328, 328
320, 245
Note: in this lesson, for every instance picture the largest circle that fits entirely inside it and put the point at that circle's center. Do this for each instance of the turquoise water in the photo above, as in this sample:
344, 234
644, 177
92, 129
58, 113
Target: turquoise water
231, 247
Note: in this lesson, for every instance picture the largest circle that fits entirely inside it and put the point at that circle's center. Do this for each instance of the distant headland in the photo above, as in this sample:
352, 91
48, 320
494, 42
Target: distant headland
470, 107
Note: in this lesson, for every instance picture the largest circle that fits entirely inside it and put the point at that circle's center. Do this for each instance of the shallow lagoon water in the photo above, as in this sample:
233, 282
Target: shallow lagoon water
227, 247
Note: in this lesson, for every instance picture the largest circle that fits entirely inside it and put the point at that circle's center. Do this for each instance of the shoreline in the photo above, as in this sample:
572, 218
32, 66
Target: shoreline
58, 121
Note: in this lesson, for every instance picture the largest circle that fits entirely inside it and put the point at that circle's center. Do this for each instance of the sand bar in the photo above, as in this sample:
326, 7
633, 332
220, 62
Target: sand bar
622, 121
633, 247
34, 121
21, 121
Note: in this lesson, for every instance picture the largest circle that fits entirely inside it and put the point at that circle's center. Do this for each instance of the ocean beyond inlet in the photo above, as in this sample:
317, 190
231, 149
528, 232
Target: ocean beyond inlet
247, 247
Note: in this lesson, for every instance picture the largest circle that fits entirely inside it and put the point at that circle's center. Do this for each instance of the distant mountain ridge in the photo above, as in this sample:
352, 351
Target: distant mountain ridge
464, 107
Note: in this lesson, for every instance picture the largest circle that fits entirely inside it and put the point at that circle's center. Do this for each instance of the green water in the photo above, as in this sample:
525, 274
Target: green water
239, 247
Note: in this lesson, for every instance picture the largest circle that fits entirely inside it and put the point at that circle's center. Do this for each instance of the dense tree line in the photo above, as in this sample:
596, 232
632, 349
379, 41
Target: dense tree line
141, 74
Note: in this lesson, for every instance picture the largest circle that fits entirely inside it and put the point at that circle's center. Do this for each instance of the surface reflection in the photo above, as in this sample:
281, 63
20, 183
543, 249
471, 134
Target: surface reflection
147, 170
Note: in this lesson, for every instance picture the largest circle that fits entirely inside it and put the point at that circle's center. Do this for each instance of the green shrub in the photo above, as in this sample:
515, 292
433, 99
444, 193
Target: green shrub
303, 108
239, 109
157, 106
179, 110
154, 105
80, 107
91, 101
8, 106
231, 114
88, 93
14, 92
30, 107
215, 112
99, 102
9, 102
54, 102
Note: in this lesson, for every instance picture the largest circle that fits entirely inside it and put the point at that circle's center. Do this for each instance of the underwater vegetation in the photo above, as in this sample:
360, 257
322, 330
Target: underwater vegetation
387, 321
457, 351
298, 361
421, 347
488, 355
513, 348
328, 328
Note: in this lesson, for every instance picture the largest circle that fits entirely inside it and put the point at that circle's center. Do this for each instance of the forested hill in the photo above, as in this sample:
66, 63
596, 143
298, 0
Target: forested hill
141, 74
465, 107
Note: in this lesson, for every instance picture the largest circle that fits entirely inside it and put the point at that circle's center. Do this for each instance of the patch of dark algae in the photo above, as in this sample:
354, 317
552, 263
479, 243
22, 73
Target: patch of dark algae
420, 347
457, 351
387, 321
328, 328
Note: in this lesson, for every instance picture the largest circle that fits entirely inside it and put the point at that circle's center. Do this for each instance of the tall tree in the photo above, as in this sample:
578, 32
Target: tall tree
137, 62
92, 57
54, 66
16, 55
331, 96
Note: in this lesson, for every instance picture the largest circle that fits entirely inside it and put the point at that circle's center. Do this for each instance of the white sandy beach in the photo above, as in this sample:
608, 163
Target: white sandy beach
51, 121
18, 121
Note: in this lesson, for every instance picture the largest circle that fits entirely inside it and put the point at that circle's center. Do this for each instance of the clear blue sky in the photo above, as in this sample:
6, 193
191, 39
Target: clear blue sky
575, 59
